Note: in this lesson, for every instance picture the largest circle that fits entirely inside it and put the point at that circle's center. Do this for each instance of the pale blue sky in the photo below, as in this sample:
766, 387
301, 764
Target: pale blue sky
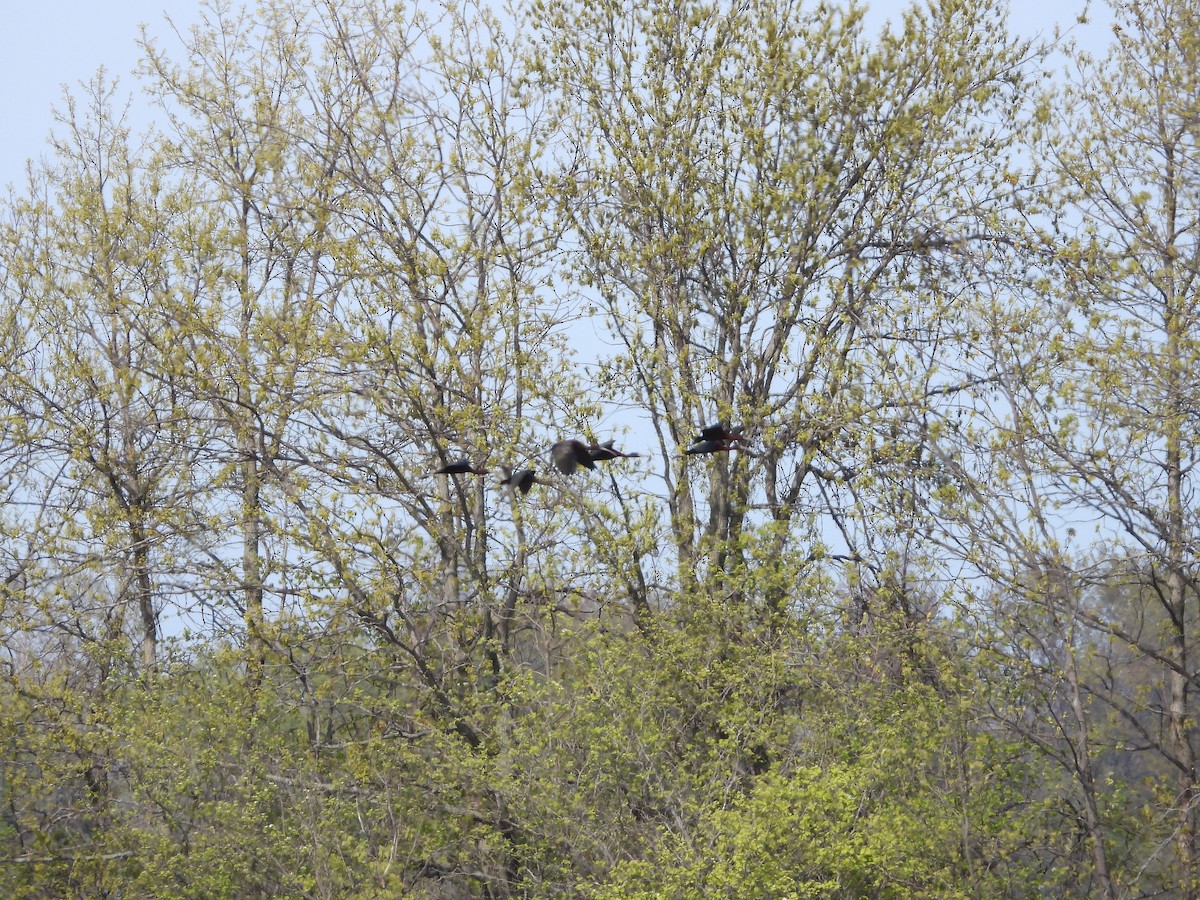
45, 44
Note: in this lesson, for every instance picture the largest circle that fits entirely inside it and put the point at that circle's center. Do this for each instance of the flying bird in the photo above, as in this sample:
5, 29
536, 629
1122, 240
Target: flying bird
569, 455
522, 479
715, 438
718, 431
459, 467
606, 451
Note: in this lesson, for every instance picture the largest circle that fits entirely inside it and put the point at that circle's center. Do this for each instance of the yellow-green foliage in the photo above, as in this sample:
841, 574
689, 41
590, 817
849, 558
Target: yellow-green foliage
921, 625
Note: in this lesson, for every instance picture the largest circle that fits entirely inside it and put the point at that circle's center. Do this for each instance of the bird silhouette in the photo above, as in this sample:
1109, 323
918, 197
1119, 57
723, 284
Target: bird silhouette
569, 455
606, 451
522, 479
718, 431
715, 438
459, 467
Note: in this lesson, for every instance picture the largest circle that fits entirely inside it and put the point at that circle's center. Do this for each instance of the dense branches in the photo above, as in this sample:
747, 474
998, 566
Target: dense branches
920, 622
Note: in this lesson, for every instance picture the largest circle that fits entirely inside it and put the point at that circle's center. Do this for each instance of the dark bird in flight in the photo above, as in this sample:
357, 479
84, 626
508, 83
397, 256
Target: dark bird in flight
459, 467
715, 438
522, 479
606, 451
719, 432
569, 455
